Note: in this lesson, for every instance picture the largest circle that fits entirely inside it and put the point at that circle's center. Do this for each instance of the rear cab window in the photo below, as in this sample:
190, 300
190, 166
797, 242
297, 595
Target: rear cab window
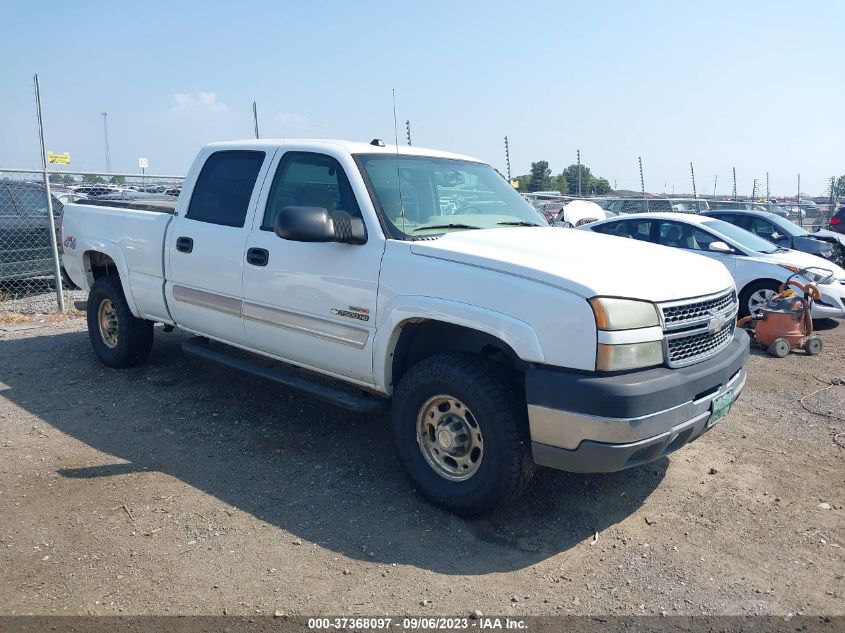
224, 187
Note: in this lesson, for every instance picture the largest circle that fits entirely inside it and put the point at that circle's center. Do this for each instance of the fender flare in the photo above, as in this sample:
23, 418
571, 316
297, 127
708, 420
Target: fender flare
114, 251
520, 336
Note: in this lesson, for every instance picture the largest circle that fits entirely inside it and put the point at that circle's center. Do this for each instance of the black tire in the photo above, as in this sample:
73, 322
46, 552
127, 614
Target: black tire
134, 337
813, 345
749, 290
497, 403
779, 348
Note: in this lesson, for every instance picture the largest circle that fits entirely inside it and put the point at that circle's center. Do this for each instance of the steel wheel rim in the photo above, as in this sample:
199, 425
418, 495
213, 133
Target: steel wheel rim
759, 299
449, 438
107, 321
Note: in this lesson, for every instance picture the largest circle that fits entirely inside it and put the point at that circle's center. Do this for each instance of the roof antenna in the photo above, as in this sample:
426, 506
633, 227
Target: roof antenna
398, 177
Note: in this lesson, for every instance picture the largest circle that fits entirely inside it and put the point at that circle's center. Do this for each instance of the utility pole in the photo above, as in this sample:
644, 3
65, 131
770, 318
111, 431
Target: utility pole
615, 183
508, 158
255, 118
692, 173
799, 187
408, 130
642, 179
754, 190
715, 182
578, 154
106, 138
734, 193
51, 222
832, 197
767, 187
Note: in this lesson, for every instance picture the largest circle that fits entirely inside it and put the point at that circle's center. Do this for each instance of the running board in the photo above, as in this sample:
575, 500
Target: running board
200, 348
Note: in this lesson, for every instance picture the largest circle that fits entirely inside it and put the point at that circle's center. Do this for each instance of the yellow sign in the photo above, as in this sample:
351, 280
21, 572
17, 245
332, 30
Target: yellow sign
59, 159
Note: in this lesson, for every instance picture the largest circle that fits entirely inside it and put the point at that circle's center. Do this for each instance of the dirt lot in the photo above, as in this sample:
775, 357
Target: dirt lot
180, 487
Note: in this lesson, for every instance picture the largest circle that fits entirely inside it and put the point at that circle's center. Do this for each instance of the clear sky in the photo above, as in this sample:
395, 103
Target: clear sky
751, 84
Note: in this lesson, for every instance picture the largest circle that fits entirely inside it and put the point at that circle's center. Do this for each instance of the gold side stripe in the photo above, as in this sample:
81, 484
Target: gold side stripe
209, 300
313, 326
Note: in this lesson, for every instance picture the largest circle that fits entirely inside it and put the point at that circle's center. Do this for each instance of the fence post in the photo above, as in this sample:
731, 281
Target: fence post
57, 273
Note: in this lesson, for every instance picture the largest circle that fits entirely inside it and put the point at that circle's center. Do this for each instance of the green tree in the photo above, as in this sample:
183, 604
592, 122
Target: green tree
561, 183
601, 186
541, 176
90, 179
524, 183
571, 174
839, 187
118, 180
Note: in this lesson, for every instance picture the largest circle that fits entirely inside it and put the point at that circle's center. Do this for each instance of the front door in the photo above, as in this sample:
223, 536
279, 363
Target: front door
312, 304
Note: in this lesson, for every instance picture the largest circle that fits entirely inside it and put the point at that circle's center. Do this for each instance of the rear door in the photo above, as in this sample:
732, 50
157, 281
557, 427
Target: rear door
206, 246
312, 304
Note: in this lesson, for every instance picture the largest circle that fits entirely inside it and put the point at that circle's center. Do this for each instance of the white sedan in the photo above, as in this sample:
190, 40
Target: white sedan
758, 266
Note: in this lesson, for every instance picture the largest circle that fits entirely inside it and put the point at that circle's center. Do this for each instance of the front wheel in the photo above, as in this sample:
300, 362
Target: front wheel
460, 429
756, 295
119, 339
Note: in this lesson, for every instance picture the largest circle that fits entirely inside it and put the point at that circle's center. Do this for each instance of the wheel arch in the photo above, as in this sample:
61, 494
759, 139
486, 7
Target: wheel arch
741, 295
436, 326
105, 260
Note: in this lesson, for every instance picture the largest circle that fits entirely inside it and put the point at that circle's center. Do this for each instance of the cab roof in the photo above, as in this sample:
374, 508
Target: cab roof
353, 147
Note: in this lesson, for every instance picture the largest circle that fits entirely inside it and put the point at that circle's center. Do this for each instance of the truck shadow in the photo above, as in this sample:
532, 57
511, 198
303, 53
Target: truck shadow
323, 474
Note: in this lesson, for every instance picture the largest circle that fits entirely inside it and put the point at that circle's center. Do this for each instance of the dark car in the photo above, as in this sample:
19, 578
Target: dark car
784, 233
25, 249
837, 221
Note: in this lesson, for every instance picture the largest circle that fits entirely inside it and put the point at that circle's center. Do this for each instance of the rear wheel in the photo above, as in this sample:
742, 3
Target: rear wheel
813, 345
119, 339
460, 429
756, 295
779, 348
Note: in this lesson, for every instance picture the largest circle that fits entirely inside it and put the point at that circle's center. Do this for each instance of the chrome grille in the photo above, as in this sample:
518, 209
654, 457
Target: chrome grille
692, 328
685, 350
678, 315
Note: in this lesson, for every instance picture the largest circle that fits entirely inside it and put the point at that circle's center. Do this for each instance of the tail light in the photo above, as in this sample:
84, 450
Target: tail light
836, 220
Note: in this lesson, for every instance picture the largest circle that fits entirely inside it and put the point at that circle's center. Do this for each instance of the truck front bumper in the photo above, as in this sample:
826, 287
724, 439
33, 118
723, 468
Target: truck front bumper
588, 422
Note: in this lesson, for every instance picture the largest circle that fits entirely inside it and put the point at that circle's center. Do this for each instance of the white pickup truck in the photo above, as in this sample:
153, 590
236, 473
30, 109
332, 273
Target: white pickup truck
421, 280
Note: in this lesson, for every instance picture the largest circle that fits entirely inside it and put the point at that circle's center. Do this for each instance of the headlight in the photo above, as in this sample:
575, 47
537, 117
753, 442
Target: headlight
816, 275
623, 314
629, 356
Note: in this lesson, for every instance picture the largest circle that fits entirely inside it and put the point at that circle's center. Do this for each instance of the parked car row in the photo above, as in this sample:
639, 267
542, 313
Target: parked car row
758, 266
25, 250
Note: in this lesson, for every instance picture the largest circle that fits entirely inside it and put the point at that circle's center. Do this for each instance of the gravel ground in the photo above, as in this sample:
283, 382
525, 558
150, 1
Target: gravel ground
181, 487
40, 299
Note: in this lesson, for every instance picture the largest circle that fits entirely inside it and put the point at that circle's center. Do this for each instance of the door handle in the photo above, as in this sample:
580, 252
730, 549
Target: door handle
184, 244
257, 256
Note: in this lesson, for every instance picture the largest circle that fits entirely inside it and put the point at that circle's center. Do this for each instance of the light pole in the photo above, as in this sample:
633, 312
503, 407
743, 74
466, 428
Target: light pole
106, 139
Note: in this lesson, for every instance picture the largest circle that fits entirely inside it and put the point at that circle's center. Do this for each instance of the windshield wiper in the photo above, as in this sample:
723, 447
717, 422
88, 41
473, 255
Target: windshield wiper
519, 223
446, 226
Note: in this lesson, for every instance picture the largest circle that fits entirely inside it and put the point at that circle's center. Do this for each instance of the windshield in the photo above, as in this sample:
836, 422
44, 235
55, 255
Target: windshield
742, 237
421, 196
790, 228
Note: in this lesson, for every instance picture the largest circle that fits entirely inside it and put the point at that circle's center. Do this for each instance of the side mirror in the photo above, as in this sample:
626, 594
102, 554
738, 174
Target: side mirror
720, 247
316, 224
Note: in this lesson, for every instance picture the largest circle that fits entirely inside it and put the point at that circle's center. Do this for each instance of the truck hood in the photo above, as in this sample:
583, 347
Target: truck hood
582, 262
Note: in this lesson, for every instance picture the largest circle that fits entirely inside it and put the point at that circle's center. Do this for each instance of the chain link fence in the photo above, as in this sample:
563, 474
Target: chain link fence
29, 283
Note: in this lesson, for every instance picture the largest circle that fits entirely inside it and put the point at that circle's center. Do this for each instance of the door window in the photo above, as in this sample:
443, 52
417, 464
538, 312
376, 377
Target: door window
678, 235
304, 179
639, 230
762, 228
224, 187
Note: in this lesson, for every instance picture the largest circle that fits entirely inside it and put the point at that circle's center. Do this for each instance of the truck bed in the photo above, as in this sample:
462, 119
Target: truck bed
161, 206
